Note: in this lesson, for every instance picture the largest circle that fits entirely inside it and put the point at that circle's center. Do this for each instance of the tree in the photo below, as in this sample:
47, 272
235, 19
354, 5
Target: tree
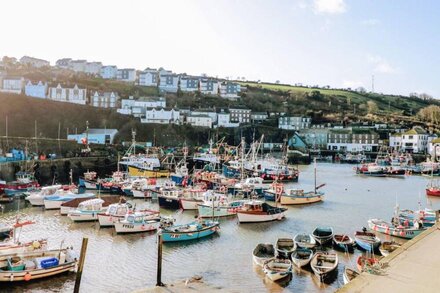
430, 114
372, 107
425, 96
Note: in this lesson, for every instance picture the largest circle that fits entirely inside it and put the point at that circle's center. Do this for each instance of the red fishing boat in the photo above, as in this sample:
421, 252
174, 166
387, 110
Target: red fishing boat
433, 189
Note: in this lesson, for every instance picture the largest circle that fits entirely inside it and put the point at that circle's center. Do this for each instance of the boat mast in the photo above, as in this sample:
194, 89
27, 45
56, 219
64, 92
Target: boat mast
314, 164
243, 143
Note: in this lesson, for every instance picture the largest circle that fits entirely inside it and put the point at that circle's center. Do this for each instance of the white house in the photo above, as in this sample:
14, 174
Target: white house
137, 107
35, 62
209, 86
93, 68
104, 99
149, 77
294, 122
415, 140
352, 139
73, 95
206, 112
224, 119
229, 90
95, 135
161, 116
12, 85
258, 116
395, 141
189, 83
109, 72
240, 115
64, 63
434, 149
169, 83
38, 90
199, 120
126, 74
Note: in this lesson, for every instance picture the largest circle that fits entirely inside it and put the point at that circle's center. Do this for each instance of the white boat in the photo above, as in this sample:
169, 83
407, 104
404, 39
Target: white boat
302, 257
298, 196
349, 275
10, 247
53, 202
87, 210
262, 253
137, 222
34, 265
277, 269
323, 264
192, 197
304, 240
114, 213
36, 198
257, 211
285, 247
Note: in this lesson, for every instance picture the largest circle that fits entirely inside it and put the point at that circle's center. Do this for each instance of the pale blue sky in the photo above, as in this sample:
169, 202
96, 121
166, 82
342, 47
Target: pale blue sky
340, 43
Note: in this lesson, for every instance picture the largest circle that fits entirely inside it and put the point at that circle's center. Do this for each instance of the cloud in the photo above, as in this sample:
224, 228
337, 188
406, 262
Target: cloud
353, 84
329, 6
370, 22
382, 65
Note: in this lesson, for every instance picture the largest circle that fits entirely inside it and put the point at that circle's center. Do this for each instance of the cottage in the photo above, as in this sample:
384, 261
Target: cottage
294, 122
189, 83
126, 74
38, 90
149, 77
169, 83
206, 112
240, 115
161, 116
199, 120
224, 119
258, 117
95, 135
209, 86
34, 62
352, 139
104, 99
12, 85
109, 72
93, 68
78, 65
415, 140
73, 95
64, 63
229, 90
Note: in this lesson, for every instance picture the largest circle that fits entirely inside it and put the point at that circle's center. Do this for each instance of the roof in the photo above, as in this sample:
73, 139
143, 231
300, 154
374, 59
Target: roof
199, 115
436, 140
162, 108
102, 130
259, 113
415, 131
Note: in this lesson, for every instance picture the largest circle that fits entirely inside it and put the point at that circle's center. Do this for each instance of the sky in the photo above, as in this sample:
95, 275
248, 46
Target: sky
341, 43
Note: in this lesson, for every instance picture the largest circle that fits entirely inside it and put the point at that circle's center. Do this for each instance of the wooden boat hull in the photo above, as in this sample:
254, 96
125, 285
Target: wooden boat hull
37, 245
245, 217
432, 192
309, 242
206, 211
15, 276
277, 272
108, 220
138, 172
190, 204
302, 257
322, 271
285, 247
323, 237
297, 200
169, 203
395, 231
269, 252
168, 236
122, 227
349, 275
83, 216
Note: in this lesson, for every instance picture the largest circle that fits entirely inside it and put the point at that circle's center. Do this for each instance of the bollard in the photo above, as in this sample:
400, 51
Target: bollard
159, 261
80, 264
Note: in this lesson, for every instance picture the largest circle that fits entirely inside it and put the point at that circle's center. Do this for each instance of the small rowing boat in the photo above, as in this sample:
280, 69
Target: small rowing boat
343, 242
322, 235
349, 275
285, 247
323, 264
388, 247
277, 269
302, 257
262, 253
366, 240
304, 240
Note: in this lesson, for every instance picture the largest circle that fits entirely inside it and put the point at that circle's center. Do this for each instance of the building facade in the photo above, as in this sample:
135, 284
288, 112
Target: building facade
258, 117
34, 62
13, 85
104, 99
209, 86
199, 120
161, 116
189, 84
93, 68
294, 122
38, 90
240, 115
352, 140
73, 95
415, 141
315, 138
149, 77
109, 72
95, 135
230, 90
137, 107
126, 74
169, 83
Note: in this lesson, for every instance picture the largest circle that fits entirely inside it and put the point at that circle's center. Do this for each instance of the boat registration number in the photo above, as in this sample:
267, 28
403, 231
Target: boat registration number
128, 226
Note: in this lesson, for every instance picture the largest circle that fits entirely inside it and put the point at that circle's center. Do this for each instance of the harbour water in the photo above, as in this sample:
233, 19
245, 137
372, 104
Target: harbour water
122, 263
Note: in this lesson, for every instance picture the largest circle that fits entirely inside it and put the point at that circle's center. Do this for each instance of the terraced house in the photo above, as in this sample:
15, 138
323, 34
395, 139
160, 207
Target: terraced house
149, 77
169, 83
189, 83
73, 95
126, 74
352, 139
209, 86
229, 90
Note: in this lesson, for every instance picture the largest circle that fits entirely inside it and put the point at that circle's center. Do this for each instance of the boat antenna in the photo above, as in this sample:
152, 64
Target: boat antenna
314, 164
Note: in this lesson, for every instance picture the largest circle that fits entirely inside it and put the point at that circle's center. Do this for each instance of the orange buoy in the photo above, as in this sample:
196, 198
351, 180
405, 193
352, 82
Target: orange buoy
27, 276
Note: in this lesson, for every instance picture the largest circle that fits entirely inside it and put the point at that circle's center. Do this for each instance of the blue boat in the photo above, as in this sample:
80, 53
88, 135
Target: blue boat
367, 240
269, 195
191, 231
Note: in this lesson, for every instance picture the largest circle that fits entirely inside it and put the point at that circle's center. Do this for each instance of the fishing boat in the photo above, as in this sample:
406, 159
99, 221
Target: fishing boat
349, 275
53, 202
34, 265
88, 181
149, 169
366, 240
262, 253
181, 174
323, 264
388, 247
343, 242
113, 214
36, 198
364, 262
302, 257
191, 231
397, 231
433, 189
285, 247
169, 198
298, 196
254, 184
87, 210
224, 209
277, 269
274, 192
73, 204
10, 247
140, 221
322, 235
25, 181
258, 211
371, 169
304, 241
192, 197
426, 217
